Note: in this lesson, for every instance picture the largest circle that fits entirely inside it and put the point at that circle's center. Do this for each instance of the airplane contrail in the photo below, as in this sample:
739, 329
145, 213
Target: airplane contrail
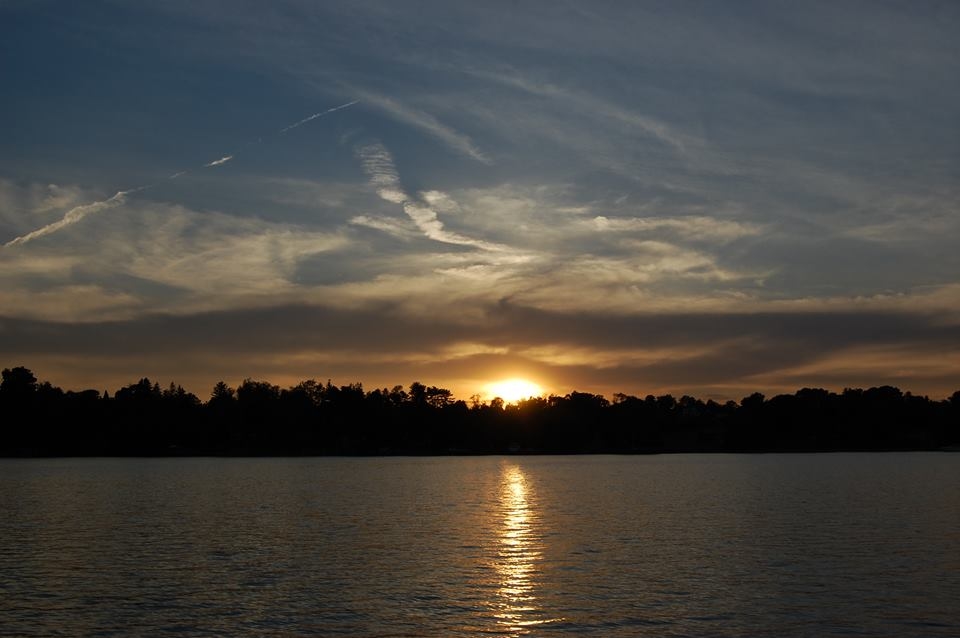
316, 115
77, 213
222, 160
74, 215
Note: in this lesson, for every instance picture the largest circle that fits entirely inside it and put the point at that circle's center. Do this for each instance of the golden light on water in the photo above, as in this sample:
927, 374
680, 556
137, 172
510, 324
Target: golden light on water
513, 390
519, 555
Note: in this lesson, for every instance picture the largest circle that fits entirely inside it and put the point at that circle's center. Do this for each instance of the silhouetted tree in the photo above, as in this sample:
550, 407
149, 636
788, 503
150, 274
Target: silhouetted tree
18, 382
418, 394
310, 418
438, 397
222, 393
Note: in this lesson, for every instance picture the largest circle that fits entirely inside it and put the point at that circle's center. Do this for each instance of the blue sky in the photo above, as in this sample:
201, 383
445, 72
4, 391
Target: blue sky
641, 197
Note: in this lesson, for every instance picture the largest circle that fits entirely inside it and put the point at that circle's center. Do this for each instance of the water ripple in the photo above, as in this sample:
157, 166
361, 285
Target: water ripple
773, 545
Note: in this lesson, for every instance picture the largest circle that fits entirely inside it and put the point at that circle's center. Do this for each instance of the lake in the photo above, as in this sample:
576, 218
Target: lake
671, 545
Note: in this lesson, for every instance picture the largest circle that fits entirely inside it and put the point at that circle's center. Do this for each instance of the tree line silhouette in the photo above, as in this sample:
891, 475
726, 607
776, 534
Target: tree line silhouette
312, 418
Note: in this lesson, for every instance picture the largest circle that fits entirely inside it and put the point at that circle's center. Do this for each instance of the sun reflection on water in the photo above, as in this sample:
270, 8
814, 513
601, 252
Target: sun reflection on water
519, 555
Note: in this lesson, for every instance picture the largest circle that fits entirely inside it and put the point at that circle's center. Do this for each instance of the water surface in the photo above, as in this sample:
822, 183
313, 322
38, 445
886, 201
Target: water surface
674, 545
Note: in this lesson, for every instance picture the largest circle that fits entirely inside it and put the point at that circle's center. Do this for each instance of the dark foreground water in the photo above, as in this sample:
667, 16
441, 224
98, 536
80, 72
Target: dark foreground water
680, 545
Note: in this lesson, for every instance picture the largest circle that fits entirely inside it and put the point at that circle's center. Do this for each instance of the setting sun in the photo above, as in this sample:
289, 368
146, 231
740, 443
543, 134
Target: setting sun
513, 390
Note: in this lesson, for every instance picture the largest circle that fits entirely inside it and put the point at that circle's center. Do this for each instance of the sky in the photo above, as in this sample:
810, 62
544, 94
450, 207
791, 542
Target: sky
696, 198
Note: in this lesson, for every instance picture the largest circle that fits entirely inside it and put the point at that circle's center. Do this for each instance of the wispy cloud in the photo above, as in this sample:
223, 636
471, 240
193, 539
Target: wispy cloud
428, 123
77, 213
617, 162
389, 225
697, 227
379, 166
36, 199
157, 255
73, 216
594, 106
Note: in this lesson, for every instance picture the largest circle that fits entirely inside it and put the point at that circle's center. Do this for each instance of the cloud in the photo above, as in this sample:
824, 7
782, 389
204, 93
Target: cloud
379, 166
388, 225
594, 107
729, 354
697, 227
648, 161
19, 201
73, 216
426, 122
161, 256
217, 259
440, 201
74, 301
77, 213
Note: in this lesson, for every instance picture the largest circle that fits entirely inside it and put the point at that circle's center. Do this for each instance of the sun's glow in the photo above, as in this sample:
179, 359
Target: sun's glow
513, 390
